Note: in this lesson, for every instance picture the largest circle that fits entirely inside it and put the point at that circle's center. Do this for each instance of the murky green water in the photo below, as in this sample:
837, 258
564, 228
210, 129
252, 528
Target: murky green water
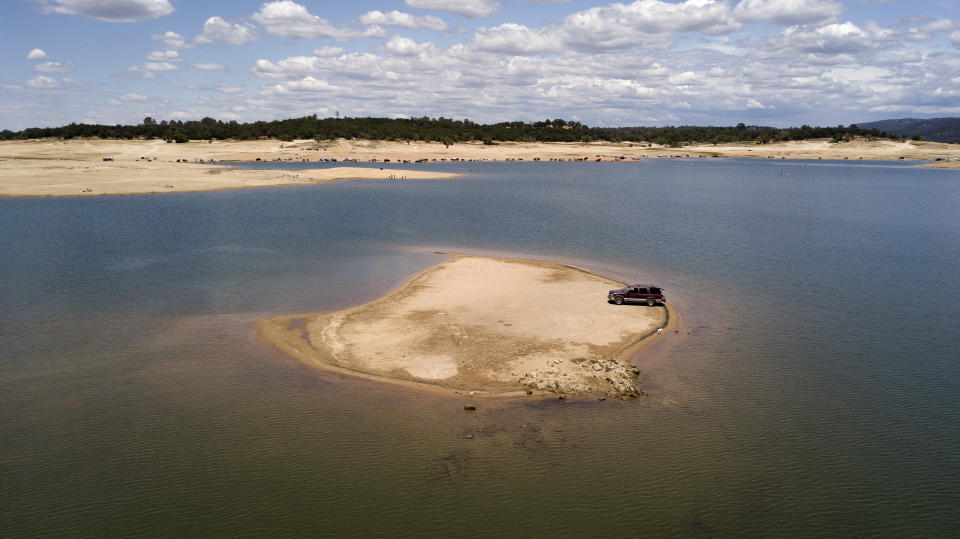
815, 394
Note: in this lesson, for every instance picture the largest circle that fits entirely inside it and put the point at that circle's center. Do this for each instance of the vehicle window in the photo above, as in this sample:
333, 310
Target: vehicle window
641, 290
633, 290
654, 290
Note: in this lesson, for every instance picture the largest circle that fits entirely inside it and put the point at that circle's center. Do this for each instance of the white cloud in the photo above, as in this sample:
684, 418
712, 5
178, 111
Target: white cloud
646, 23
619, 63
939, 25
832, 38
164, 56
133, 97
112, 10
150, 69
473, 9
402, 46
288, 68
655, 16
403, 20
37, 54
43, 83
788, 12
454, 80
210, 66
307, 85
172, 40
516, 39
829, 44
684, 78
820, 73
290, 19
54, 67
865, 74
217, 29
923, 31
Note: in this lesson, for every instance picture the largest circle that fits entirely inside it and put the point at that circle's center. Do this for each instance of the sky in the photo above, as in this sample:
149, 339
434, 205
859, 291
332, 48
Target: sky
647, 62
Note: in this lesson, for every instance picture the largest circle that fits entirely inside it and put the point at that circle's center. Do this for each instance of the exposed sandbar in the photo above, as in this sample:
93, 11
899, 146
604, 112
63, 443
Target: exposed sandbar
939, 154
491, 325
77, 168
51, 167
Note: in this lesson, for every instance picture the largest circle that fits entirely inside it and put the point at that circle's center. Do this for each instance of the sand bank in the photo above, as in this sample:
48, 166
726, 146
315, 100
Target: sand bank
125, 151
56, 168
77, 167
877, 150
487, 325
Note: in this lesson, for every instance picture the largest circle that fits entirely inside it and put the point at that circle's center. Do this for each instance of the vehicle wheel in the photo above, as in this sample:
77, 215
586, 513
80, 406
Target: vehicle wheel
618, 300
651, 302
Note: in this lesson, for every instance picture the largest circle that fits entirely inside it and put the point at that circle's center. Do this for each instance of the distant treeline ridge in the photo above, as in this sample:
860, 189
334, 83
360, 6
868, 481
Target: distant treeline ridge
445, 130
935, 129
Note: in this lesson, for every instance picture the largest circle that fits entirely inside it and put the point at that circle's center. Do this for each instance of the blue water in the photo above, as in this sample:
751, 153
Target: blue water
814, 389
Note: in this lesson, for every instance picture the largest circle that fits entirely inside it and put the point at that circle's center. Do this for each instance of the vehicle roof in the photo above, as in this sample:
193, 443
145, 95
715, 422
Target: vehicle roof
645, 286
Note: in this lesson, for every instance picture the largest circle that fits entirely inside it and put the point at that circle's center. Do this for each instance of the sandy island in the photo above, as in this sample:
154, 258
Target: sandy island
51, 167
484, 326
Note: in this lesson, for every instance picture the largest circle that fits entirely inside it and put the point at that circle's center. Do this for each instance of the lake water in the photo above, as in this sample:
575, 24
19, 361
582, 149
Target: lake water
814, 388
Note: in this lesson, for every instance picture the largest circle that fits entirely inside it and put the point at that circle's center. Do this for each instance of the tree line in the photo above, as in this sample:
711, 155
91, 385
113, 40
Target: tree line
444, 130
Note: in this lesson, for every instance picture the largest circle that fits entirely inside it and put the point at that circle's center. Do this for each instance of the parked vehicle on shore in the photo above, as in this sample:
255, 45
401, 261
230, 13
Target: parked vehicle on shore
637, 293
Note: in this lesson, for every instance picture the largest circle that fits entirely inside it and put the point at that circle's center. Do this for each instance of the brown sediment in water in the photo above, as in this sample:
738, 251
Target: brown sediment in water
486, 327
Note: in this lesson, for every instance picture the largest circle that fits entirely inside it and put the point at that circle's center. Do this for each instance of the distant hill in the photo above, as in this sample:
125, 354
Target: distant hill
935, 129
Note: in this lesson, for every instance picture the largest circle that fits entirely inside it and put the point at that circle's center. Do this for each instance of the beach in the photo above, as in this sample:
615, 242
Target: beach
484, 326
51, 167
876, 150
119, 167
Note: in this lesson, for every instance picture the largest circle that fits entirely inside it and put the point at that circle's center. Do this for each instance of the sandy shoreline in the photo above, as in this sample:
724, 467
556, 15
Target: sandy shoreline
51, 167
486, 327
111, 167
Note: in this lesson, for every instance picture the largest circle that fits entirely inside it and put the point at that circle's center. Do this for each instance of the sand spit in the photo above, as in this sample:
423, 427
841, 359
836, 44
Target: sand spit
484, 326
99, 167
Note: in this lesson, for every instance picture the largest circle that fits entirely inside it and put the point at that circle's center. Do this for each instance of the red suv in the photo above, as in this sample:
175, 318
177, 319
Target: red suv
637, 293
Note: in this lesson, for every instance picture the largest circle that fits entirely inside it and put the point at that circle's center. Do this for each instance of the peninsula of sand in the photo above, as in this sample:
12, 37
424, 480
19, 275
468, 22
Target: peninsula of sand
51, 167
126, 167
483, 326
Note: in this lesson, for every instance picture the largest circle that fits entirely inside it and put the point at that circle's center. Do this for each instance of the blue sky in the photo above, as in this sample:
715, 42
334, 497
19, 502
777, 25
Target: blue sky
645, 62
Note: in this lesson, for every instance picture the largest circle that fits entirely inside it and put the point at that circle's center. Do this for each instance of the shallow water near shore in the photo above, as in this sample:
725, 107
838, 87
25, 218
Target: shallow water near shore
813, 389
